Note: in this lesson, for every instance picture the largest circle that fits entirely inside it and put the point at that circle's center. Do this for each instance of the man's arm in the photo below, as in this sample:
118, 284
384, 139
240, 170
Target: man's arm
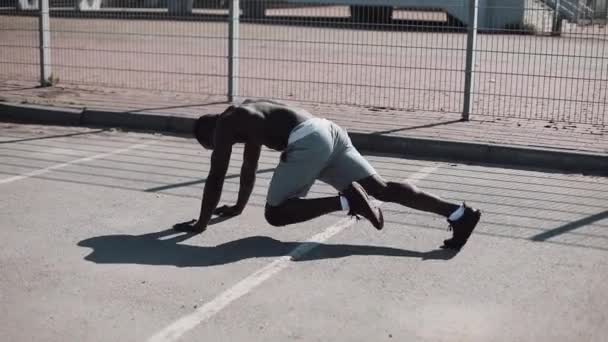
220, 159
251, 157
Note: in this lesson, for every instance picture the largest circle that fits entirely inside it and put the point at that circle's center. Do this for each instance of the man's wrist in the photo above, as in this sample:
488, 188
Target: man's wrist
203, 221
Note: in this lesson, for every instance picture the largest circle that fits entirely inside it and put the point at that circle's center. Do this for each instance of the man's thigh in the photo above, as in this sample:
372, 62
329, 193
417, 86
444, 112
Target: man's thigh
297, 172
347, 167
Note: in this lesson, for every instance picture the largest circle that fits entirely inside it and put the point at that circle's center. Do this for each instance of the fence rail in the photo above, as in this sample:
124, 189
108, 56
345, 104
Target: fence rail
525, 58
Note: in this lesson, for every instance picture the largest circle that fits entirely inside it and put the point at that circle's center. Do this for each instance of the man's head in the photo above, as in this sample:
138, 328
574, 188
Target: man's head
204, 129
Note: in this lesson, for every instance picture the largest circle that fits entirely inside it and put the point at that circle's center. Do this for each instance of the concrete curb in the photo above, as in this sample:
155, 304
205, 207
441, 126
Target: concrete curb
563, 161
142, 121
588, 163
40, 114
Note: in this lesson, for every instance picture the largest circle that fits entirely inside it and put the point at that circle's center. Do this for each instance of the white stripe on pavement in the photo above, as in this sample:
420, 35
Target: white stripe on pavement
178, 328
76, 161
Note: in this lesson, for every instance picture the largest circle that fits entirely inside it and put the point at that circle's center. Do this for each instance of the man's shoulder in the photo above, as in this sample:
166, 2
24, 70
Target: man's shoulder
262, 101
238, 122
235, 114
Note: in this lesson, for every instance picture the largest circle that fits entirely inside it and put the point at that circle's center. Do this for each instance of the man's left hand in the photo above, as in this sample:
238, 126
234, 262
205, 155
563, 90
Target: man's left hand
228, 211
192, 226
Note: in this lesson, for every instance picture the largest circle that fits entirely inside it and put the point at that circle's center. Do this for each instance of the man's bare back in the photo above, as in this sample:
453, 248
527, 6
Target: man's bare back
262, 122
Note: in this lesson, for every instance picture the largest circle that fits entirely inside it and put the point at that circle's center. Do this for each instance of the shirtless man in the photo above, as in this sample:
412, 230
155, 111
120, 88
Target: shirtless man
312, 148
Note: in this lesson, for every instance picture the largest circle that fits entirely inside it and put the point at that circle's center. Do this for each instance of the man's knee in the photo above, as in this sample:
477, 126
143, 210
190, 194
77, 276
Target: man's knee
274, 216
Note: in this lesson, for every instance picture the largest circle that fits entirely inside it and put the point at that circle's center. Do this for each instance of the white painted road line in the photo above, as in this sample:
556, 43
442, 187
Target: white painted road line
178, 328
76, 161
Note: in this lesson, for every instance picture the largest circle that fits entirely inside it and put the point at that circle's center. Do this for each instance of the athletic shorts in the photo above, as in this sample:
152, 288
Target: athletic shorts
317, 149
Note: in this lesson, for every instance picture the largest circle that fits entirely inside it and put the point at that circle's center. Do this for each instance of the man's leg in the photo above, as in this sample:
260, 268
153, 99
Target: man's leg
297, 171
349, 166
462, 218
407, 194
301, 209
301, 164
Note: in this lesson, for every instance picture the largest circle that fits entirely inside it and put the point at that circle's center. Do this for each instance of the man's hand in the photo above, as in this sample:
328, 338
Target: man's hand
228, 211
192, 226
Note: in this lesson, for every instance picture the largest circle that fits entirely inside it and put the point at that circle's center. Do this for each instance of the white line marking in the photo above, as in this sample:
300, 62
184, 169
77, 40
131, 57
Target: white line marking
178, 328
76, 161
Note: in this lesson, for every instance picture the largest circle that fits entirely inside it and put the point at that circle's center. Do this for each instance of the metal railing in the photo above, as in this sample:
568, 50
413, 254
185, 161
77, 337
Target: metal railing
520, 59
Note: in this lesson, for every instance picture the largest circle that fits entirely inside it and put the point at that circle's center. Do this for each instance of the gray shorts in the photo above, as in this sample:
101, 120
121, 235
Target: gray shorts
326, 154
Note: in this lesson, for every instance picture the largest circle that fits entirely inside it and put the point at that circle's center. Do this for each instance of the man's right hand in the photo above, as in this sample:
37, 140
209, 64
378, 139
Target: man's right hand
191, 226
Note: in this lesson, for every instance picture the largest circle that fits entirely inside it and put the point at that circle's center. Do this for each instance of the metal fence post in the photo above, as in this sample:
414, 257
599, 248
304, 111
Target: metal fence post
556, 29
45, 44
470, 60
233, 49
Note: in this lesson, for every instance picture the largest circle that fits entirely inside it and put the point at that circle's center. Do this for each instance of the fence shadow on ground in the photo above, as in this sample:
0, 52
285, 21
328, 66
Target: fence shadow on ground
570, 226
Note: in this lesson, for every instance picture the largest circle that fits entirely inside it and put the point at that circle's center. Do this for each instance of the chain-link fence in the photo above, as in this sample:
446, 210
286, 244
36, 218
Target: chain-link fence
553, 66
135, 48
19, 44
527, 58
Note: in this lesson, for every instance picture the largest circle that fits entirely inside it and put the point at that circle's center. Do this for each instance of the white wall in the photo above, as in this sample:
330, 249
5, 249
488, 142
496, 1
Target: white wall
492, 13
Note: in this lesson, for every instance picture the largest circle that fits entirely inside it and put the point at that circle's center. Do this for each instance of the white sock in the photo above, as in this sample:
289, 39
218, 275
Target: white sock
456, 215
344, 202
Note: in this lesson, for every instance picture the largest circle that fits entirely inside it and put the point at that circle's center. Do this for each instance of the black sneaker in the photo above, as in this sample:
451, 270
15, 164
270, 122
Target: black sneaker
359, 204
462, 228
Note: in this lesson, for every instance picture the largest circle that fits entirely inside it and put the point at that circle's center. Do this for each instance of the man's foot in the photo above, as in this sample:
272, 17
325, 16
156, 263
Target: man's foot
462, 228
360, 204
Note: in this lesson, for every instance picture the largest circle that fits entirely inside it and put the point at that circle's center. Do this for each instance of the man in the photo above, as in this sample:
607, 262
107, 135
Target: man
312, 148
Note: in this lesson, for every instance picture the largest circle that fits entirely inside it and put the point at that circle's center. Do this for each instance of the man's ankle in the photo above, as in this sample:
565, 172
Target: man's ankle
344, 203
456, 214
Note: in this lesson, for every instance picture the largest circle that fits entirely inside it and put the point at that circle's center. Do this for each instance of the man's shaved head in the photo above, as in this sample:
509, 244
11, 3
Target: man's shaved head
204, 128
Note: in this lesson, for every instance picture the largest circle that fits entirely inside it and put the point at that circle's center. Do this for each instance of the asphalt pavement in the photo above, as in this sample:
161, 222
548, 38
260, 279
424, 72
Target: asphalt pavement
89, 255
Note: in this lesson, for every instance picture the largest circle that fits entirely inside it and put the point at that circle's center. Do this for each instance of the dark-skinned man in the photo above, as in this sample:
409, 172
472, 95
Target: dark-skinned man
312, 149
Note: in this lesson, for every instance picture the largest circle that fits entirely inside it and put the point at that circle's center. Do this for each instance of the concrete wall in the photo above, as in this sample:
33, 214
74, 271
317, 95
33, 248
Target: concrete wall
601, 8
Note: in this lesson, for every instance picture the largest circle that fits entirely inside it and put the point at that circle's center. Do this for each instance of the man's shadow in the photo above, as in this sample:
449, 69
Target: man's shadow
163, 248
